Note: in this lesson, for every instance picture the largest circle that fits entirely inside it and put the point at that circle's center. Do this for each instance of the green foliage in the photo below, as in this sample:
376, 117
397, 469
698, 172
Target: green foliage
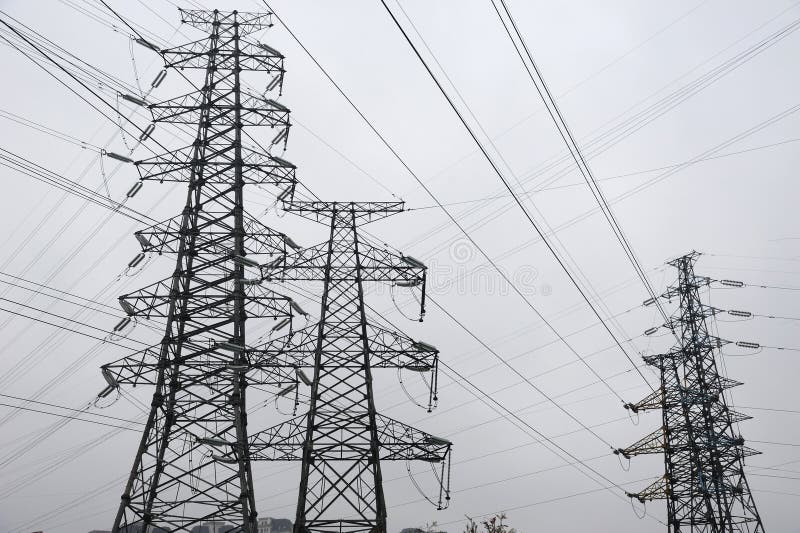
492, 525
432, 527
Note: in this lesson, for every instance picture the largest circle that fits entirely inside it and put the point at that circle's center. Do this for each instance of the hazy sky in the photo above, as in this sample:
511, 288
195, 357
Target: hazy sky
645, 87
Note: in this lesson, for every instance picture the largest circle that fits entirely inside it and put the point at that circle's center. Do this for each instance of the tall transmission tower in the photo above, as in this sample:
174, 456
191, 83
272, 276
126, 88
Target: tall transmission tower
192, 464
342, 439
704, 481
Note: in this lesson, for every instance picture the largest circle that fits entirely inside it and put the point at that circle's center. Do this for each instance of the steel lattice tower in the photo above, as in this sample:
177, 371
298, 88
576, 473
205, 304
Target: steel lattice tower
192, 464
704, 481
342, 439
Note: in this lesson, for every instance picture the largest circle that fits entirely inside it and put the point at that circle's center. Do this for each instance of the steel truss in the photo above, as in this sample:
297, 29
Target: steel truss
704, 482
192, 464
342, 440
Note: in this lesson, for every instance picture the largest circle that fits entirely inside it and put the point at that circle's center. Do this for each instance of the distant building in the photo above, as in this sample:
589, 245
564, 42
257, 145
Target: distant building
213, 527
137, 528
274, 525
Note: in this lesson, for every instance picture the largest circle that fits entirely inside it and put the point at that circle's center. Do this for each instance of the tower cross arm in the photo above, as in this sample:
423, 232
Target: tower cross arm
397, 442
252, 56
281, 442
181, 165
387, 349
376, 264
652, 443
206, 20
658, 490
212, 235
400, 442
651, 401
138, 368
207, 299
253, 110
196, 359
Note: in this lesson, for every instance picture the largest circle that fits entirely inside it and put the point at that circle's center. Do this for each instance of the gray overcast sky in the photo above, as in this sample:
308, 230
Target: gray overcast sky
644, 86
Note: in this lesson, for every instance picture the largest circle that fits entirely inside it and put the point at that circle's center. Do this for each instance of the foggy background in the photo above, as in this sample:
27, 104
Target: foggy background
645, 88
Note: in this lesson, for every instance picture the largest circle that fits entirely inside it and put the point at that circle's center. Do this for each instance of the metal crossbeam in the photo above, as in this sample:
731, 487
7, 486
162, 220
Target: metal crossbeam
376, 264
211, 234
387, 349
208, 21
363, 212
252, 56
225, 110
179, 165
398, 442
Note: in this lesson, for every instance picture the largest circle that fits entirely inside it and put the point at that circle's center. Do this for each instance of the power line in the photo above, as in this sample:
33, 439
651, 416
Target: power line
454, 221
568, 257
724, 144
20, 164
619, 176
450, 216
64, 328
49, 58
41, 286
551, 500
770, 409
507, 414
519, 374
791, 444
511, 191
103, 79
546, 372
756, 285
491, 402
70, 417
566, 135
650, 113
68, 409
8, 115
46, 56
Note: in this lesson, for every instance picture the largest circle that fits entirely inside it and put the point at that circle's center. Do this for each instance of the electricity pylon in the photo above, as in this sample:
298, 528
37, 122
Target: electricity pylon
342, 439
192, 464
704, 482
